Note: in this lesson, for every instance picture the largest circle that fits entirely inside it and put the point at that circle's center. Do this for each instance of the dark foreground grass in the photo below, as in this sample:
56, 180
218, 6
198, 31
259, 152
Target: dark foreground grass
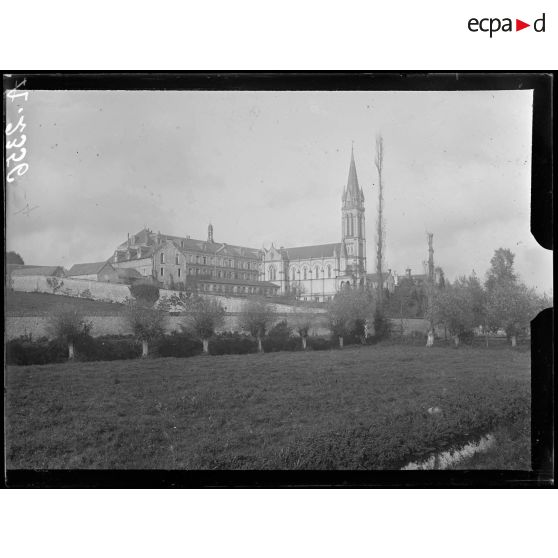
360, 408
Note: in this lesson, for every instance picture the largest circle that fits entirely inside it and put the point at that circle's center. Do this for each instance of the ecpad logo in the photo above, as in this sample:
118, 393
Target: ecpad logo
493, 25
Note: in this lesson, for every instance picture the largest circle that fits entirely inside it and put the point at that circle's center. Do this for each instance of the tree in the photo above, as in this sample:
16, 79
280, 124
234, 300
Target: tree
348, 312
205, 315
452, 307
302, 322
68, 324
145, 294
256, 317
501, 269
14, 258
510, 305
380, 225
146, 322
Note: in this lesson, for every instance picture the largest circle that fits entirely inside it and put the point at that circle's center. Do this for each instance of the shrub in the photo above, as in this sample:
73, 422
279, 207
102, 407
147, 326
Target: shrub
107, 347
22, 352
382, 326
145, 293
280, 338
232, 344
321, 344
178, 345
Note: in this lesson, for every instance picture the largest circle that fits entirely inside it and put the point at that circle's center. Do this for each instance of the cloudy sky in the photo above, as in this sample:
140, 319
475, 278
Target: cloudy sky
269, 167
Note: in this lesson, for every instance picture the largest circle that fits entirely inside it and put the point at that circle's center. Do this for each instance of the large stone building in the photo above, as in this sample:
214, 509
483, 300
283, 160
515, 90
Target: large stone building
308, 272
318, 272
183, 262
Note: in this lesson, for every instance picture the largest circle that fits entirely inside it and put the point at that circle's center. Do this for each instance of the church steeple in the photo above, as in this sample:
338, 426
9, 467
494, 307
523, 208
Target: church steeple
353, 192
353, 222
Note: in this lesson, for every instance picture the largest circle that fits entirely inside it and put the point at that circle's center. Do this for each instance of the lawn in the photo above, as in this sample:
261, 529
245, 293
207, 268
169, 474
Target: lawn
42, 304
359, 408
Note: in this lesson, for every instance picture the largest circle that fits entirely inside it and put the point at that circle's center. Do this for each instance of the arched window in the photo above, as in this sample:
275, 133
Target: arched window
293, 273
329, 272
271, 272
317, 272
162, 257
304, 273
347, 230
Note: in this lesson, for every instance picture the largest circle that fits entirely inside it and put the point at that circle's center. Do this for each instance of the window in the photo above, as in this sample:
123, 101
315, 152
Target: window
177, 260
317, 270
197, 271
162, 259
182, 244
305, 274
162, 270
197, 259
179, 272
204, 260
271, 272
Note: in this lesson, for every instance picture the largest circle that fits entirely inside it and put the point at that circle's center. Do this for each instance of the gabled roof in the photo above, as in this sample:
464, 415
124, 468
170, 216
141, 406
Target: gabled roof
87, 268
149, 244
316, 251
39, 270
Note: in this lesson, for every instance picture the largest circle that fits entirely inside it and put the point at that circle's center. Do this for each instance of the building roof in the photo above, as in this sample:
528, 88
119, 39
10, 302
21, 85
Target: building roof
147, 240
87, 268
38, 270
311, 252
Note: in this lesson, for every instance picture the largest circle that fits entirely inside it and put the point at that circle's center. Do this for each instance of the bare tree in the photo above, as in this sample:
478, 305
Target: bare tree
68, 324
303, 322
147, 323
380, 225
256, 317
205, 315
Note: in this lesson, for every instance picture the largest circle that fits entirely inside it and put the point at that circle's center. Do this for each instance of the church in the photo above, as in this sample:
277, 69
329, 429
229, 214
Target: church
307, 272
318, 272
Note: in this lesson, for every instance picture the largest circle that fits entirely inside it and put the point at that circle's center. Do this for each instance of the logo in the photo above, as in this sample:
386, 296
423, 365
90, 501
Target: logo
493, 25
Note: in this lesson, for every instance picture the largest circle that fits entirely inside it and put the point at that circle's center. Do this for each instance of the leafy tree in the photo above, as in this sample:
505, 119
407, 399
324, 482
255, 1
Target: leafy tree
146, 322
256, 317
14, 258
68, 324
145, 294
205, 315
452, 306
501, 269
348, 312
511, 307
382, 326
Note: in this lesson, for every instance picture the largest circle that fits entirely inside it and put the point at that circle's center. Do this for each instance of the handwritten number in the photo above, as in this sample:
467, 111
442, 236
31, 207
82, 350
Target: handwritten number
20, 170
12, 144
15, 159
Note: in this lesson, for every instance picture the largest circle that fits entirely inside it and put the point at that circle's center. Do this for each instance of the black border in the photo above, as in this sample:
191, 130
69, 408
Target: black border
542, 380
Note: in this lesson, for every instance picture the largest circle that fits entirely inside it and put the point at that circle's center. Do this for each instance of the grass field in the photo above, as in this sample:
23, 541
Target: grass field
43, 304
359, 408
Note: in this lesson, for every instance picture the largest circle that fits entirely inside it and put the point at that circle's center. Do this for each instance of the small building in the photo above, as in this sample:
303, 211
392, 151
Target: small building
388, 281
95, 271
128, 275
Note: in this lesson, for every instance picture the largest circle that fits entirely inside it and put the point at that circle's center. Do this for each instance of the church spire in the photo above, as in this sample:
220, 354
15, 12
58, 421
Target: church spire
353, 191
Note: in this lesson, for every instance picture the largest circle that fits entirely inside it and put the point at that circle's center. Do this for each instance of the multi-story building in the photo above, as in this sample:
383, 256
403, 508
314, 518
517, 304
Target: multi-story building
184, 262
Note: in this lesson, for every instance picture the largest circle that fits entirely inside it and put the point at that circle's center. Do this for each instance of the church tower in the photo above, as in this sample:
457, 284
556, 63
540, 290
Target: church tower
353, 224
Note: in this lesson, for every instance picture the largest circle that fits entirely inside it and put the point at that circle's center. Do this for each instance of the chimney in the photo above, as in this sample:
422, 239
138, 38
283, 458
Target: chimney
210, 233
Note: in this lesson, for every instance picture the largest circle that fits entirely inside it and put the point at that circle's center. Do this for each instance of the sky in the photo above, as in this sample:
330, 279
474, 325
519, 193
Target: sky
270, 167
